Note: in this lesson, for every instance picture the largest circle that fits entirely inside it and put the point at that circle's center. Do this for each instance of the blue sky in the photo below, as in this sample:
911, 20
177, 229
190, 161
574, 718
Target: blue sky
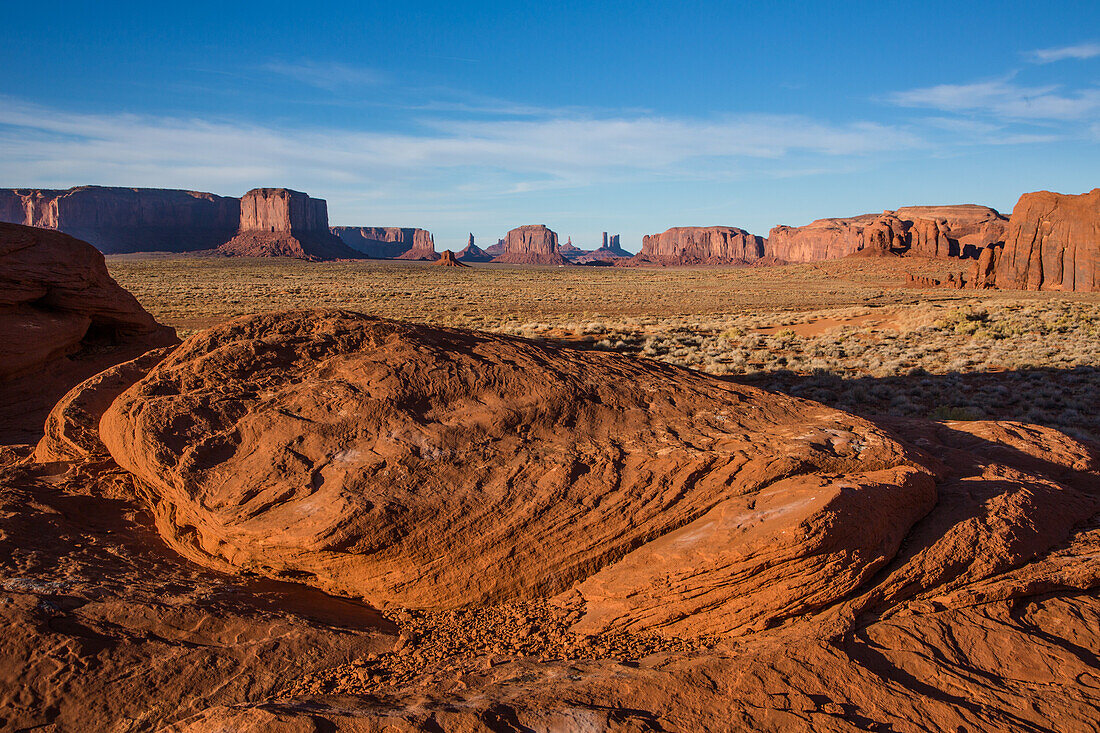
628, 117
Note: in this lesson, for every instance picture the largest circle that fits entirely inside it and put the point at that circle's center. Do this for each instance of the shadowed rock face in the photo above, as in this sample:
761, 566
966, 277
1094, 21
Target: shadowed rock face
278, 222
448, 260
533, 244
952, 231
703, 245
388, 242
1052, 243
473, 253
62, 319
114, 219
830, 239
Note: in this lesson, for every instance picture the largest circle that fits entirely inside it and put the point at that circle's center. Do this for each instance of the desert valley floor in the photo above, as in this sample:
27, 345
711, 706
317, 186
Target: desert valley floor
566, 531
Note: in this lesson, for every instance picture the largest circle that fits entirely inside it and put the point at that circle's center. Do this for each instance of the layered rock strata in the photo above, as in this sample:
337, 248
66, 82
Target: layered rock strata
278, 222
389, 242
533, 244
700, 246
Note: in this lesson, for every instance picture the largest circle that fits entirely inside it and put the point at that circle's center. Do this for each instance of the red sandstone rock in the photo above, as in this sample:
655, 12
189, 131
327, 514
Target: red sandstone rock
701, 245
398, 462
1052, 243
533, 244
952, 231
389, 242
278, 222
473, 253
114, 219
448, 260
829, 239
62, 319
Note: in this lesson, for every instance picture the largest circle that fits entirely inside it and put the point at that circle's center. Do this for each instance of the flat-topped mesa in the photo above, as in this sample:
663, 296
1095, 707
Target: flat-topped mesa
116, 219
389, 242
830, 239
717, 245
1052, 243
279, 222
533, 244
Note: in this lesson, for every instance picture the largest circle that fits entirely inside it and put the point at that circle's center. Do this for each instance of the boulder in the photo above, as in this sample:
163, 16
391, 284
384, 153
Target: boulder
115, 219
388, 242
278, 222
1052, 243
533, 244
702, 245
440, 468
62, 319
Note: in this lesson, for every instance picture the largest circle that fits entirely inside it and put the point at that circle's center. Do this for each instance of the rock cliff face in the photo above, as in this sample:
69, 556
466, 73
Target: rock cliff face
533, 244
118, 220
447, 259
473, 253
62, 319
702, 246
278, 222
1052, 243
930, 231
388, 242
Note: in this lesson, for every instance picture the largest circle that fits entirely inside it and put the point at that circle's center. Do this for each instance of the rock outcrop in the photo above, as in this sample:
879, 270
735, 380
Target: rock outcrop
929, 231
496, 249
115, 219
672, 551
701, 246
448, 260
1052, 243
389, 242
62, 319
278, 222
533, 244
473, 253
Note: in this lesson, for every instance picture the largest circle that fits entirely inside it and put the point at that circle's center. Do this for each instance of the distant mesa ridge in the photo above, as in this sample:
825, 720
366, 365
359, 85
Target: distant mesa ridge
389, 242
278, 222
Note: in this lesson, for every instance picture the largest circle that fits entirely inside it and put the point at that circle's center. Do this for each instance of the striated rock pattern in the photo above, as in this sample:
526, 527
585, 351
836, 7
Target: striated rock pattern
1052, 243
388, 242
952, 231
533, 244
727, 559
702, 245
115, 219
473, 253
830, 239
278, 222
62, 319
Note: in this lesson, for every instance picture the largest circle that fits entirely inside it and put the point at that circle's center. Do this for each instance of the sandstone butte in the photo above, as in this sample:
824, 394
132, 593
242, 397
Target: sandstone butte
62, 319
278, 222
560, 539
1052, 243
609, 252
447, 259
389, 242
700, 246
931, 231
533, 244
115, 219
473, 253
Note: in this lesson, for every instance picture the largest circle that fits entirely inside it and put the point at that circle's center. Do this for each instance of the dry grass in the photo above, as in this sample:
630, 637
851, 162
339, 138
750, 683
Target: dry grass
842, 332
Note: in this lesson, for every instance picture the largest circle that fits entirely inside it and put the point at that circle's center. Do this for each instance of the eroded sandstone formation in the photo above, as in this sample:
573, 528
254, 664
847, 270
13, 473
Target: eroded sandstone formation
1052, 243
62, 319
929, 231
389, 242
472, 253
701, 246
278, 222
532, 244
670, 551
447, 259
116, 219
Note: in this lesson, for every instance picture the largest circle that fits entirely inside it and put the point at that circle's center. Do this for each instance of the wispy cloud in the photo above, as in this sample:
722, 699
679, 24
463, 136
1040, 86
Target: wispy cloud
1004, 98
1079, 52
330, 76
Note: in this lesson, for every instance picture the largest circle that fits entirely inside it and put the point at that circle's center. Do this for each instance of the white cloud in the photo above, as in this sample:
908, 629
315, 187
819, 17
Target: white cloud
1079, 52
1004, 99
325, 75
40, 145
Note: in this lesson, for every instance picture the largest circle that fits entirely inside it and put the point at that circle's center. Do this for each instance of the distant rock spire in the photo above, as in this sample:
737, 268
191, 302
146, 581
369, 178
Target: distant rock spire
604, 245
